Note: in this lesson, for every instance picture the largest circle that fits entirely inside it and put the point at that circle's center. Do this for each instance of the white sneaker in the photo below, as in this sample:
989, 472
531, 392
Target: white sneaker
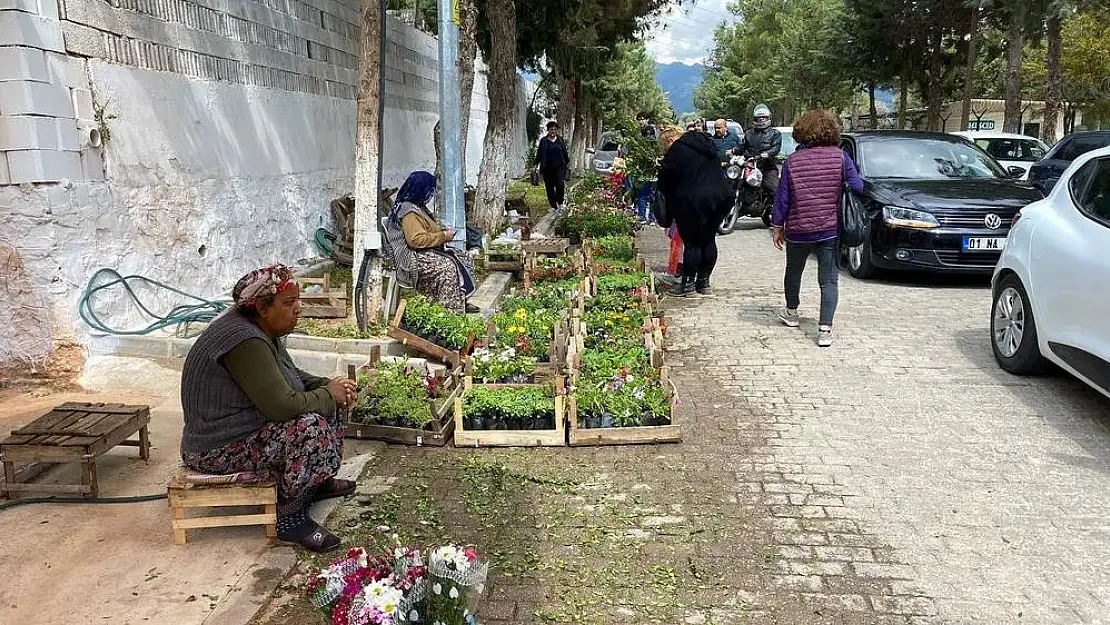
824, 336
789, 317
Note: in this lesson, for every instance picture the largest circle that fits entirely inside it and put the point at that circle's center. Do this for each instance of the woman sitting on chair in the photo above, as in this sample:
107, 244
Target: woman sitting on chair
419, 246
249, 409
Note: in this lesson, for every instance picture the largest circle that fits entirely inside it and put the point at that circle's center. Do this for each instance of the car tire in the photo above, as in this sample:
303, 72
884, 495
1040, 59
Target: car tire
859, 261
1014, 330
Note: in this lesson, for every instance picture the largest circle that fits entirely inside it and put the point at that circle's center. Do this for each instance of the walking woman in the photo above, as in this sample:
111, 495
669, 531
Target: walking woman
698, 196
805, 217
552, 161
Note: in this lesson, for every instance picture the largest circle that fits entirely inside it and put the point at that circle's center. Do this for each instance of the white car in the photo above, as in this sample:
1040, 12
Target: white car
1012, 151
1051, 287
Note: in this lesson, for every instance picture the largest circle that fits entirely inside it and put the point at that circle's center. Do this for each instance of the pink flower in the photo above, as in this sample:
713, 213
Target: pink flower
470, 554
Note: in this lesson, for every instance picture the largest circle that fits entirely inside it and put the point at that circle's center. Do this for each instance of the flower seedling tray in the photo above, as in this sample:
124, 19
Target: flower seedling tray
545, 247
438, 431
532, 273
422, 344
636, 435
555, 437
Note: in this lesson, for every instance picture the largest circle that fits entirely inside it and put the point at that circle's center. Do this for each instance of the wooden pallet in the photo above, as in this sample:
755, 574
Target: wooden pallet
556, 437
638, 435
423, 345
329, 303
73, 433
443, 423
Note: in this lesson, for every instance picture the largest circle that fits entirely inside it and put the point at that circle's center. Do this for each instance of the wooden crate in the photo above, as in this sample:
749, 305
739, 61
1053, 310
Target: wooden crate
647, 434
423, 345
531, 272
556, 353
73, 433
556, 437
444, 424
329, 303
545, 247
504, 259
184, 495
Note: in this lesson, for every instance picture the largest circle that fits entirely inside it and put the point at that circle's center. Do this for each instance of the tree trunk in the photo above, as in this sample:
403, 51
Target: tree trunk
871, 107
933, 89
855, 111
565, 113
367, 127
969, 70
1015, 48
468, 52
903, 95
1054, 87
577, 145
489, 205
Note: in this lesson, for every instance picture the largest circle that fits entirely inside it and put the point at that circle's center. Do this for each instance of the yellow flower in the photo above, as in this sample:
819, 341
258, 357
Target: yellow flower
521, 313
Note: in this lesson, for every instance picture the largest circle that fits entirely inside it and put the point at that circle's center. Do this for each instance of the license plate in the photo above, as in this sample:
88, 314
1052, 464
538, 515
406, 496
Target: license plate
984, 244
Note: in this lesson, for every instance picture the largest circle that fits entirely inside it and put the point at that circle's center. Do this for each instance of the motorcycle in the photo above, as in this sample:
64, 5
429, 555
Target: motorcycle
751, 199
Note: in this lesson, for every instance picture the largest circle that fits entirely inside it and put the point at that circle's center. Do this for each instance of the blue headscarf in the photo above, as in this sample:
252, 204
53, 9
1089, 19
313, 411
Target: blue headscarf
418, 189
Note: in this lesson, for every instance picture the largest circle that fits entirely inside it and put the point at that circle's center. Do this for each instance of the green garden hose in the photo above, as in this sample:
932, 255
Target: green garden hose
4, 505
203, 311
325, 241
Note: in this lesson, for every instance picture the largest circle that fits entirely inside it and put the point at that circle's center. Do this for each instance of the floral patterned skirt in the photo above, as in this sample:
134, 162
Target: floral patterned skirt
438, 278
300, 453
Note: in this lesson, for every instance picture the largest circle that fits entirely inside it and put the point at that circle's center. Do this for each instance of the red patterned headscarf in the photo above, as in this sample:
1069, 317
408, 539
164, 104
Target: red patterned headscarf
261, 284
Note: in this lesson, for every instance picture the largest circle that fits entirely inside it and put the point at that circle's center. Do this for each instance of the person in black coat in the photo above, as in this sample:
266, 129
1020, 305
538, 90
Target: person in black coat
552, 160
698, 196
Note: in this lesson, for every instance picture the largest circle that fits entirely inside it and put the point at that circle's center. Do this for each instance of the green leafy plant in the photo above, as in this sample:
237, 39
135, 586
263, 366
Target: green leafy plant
513, 407
431, 320
502, 365
613, 247
398, 395
525, 328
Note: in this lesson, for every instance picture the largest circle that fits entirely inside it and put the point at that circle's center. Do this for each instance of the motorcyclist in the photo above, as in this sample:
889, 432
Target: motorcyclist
724, 139
763, 142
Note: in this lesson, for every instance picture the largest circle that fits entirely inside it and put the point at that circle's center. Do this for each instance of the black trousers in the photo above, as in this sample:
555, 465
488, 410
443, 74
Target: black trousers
556, 184
699, 253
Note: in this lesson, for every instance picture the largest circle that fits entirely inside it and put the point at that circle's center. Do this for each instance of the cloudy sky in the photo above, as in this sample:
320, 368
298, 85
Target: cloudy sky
686, 34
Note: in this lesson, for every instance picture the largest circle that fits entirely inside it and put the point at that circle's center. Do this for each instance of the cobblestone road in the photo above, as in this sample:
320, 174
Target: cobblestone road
905, 477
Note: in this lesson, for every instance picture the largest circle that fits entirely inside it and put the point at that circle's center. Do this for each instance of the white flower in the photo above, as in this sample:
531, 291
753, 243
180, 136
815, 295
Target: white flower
454, 594
414, 616
437, 589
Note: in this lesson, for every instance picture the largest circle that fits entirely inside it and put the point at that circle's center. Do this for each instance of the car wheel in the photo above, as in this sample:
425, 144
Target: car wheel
1014, 331
859, 261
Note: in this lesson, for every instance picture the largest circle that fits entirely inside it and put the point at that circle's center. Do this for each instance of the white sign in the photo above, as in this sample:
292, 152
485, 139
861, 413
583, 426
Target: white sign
981, 124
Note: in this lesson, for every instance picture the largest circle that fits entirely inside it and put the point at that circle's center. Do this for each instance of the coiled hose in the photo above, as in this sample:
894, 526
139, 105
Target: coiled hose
324, 240
203, 311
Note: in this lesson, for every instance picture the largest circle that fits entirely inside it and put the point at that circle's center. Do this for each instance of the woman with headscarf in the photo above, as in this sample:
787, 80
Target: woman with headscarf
419, 245
249, 409
698, 196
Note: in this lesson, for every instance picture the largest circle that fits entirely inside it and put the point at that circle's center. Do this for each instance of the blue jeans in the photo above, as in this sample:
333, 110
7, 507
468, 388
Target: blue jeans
645, 195
827, 274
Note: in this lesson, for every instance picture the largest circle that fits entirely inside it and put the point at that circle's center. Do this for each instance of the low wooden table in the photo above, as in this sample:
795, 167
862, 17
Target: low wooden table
73, 432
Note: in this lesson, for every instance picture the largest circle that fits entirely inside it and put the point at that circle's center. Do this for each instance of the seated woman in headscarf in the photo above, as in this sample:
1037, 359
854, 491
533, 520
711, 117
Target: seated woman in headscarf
249, 409
419, 244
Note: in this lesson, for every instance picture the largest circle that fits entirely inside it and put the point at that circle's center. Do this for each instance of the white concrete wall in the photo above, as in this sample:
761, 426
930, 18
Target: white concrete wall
232, 128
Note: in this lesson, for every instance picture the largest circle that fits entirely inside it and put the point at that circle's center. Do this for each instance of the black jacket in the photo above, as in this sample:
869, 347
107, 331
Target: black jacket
697, 193
758, 141
552, 156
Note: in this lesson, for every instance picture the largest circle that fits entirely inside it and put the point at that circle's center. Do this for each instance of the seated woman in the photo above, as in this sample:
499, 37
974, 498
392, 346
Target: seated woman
248, 408
420, 253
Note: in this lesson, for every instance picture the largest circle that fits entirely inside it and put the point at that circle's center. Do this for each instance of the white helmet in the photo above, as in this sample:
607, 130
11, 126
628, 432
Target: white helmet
761, 117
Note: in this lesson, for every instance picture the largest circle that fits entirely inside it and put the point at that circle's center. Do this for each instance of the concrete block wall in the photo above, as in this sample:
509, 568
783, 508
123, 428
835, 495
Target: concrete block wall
45, 100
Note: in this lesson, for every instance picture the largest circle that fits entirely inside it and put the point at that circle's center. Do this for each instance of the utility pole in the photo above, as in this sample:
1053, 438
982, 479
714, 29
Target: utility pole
454, 212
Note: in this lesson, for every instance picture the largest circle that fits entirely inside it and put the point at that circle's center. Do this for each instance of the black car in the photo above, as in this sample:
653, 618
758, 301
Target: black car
936, 203
1045, 172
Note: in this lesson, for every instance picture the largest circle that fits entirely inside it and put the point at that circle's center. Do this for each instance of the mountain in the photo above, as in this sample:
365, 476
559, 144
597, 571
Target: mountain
678, 81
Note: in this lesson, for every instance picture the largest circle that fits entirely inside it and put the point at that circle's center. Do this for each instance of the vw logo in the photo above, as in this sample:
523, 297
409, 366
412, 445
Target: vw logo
992, 221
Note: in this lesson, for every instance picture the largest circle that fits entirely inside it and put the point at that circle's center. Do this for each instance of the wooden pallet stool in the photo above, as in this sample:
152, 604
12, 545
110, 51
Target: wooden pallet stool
73, 433
193, 490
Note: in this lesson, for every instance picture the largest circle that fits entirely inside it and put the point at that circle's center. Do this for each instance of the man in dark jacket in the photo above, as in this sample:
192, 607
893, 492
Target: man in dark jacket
724, 139
647, 129
552, 160
698, 196
764, 142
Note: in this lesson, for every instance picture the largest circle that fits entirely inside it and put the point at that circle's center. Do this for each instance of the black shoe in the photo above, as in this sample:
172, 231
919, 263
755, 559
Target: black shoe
471, 309
701, 285
310, 535
683, 288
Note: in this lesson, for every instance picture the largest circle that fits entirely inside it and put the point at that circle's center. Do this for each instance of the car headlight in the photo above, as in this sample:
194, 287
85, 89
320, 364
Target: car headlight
908, 218
733, 172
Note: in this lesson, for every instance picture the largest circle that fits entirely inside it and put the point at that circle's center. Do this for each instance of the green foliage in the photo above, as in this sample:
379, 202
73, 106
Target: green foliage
431, 319
399, 393
525, 328
626, 85
500, 365
594, 222
1086, 58
641, 153
517, 405
613, 248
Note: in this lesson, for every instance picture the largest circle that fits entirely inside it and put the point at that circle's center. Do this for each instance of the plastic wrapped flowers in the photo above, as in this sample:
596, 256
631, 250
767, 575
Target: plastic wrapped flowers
400, 588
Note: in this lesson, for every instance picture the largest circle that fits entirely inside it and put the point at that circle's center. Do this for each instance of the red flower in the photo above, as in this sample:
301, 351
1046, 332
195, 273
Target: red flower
470, 554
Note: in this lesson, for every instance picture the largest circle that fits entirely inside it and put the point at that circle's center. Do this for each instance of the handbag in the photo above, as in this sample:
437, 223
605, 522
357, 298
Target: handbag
851, 217
534, 177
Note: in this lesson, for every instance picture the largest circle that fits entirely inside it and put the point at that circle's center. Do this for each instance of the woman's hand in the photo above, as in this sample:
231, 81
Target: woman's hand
342, 390
776, 237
